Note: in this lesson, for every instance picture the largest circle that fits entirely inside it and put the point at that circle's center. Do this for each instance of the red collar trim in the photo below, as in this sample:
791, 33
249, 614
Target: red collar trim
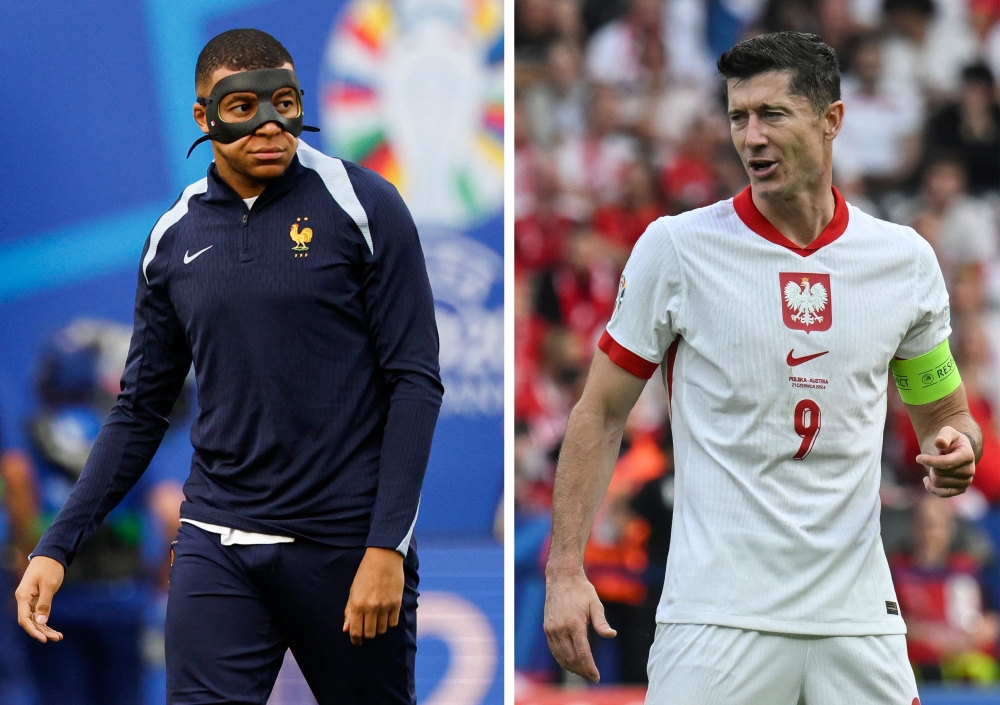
755, 220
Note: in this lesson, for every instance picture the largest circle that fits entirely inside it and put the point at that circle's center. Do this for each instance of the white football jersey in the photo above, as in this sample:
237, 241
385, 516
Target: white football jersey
776, 360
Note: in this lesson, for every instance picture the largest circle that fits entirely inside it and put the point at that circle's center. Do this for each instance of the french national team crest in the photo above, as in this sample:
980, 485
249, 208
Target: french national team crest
301, 238
807, 303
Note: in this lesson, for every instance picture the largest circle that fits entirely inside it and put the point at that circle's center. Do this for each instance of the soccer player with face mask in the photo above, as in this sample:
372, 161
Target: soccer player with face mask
296, 285
775, 318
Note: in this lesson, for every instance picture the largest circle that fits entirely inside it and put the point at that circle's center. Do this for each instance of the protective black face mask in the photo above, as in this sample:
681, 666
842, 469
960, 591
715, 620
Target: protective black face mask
263, 83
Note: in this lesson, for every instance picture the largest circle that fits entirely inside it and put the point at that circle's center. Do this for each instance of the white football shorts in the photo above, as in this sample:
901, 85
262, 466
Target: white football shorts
703, 664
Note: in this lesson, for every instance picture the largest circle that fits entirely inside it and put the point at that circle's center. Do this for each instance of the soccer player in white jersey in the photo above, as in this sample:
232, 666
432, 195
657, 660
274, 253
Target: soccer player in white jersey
775, 318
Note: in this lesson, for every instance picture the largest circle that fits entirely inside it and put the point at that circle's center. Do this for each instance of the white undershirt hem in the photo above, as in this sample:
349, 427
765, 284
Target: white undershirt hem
236, 537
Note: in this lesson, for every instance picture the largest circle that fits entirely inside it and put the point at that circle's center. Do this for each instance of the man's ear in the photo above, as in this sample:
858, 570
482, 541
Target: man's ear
834, 117
201, 117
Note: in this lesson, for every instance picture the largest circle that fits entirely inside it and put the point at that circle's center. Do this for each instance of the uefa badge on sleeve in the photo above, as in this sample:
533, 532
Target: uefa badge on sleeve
806, 301
620, 297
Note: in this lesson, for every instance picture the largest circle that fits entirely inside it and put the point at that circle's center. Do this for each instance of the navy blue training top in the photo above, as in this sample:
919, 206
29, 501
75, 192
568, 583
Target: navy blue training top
310, 322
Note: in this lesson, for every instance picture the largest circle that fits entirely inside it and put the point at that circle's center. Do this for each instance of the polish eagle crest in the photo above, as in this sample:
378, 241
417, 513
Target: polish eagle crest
807, 302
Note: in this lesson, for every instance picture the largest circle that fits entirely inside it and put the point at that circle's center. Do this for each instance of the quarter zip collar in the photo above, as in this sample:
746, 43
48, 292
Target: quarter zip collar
222, 193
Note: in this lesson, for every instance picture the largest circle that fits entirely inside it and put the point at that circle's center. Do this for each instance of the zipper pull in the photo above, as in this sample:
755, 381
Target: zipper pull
246, 217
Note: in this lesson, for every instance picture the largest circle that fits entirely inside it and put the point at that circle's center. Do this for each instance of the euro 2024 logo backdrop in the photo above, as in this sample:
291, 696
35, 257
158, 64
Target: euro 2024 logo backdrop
414, 90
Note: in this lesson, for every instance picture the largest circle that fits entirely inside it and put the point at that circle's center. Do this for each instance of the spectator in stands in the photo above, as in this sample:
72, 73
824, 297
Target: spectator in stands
960, 229
580, 293
791, 16
924, 50
951, 633
534, 30
529, 332
970, 127
669, 114
615, 53
983, 15
557, 387
837, 23
526, 157
880, 138
991, 34
622, 52
541, 233
592, 167
620, 223
966, 292
558, 105
731, 177
689, 176
533, 474
597, 13
568, 21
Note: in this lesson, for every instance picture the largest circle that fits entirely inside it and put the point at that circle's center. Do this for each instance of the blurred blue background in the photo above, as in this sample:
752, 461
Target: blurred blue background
95, 153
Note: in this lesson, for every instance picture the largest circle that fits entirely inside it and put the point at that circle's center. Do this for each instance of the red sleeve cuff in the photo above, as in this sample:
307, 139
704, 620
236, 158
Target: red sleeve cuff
625, 358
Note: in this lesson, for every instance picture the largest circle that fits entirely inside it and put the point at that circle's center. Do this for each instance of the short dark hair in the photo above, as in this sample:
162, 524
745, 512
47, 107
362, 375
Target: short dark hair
924, 8
813, 65
938, 156
977, 72
240, 50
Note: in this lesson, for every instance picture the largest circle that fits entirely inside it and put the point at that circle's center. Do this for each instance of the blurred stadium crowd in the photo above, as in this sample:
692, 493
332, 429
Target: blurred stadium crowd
620, 119
111, 605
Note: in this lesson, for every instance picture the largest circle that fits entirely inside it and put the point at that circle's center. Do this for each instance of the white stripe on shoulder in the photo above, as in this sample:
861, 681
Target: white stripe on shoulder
404, 545
171, 217
338, 183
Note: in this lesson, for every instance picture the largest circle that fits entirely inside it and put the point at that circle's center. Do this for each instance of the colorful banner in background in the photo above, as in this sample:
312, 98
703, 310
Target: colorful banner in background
410, 88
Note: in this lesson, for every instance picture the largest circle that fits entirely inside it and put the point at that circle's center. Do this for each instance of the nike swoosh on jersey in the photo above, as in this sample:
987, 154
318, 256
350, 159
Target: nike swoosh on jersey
794, 361
188, 259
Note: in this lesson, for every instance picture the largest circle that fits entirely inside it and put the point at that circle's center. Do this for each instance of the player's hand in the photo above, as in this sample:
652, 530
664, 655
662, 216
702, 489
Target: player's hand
376, 595
34, 597
952, 467
571, 604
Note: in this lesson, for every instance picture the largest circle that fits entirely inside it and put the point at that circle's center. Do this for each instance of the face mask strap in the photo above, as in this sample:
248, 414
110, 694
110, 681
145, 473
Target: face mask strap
196, 143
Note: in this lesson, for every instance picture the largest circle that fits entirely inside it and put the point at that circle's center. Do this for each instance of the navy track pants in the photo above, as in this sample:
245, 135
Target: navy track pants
232, 611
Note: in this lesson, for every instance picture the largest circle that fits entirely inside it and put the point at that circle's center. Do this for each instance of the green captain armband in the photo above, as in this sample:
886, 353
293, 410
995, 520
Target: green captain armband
927, 378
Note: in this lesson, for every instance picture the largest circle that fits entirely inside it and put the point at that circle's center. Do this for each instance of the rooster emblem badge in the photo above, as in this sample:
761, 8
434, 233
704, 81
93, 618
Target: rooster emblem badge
301, 238
807, 301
